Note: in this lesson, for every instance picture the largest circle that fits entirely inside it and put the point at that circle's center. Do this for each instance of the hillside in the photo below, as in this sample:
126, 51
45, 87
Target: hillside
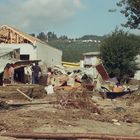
73, 50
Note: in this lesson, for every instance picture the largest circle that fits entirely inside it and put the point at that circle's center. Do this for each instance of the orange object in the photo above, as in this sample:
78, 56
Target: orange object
118, 89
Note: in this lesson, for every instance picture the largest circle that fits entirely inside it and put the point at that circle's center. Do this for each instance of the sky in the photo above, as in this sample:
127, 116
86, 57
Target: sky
73, 18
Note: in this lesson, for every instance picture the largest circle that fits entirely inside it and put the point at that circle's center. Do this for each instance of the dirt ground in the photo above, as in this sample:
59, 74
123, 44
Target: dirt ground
51, 113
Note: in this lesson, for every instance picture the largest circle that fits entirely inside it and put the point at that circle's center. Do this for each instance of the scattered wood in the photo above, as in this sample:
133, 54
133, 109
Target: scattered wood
24, 95
35, 103
24, 85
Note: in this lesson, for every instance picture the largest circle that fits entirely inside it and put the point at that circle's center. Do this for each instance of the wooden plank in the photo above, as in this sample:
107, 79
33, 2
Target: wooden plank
24, 95
35, 135
29, 104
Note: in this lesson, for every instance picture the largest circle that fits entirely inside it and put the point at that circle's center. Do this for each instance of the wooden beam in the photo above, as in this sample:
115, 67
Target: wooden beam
31, 103
11, 37
24, 95
17, 38
35, 135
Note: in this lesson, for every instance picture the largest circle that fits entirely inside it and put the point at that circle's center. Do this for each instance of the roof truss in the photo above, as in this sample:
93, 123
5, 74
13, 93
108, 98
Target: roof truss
11, 36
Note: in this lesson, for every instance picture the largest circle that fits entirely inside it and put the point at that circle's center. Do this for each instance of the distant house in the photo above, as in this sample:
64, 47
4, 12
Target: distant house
91, 58
31, 48
137, 74
87, 41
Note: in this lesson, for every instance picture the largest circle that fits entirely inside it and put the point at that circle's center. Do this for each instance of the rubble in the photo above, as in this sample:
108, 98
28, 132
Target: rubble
77, 100
72, 100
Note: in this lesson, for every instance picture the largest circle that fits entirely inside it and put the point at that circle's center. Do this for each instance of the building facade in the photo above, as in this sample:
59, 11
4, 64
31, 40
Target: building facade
31, 48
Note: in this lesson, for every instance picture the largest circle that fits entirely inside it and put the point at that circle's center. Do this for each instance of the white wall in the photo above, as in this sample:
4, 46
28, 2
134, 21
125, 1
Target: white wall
138, 61
43, 52
90, 60
137, 75
48, 54
27, 49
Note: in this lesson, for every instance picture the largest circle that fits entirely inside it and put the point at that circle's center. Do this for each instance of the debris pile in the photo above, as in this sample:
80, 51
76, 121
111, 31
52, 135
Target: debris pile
77, 100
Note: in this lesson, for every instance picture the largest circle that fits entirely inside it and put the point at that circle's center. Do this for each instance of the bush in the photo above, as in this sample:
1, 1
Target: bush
118, 52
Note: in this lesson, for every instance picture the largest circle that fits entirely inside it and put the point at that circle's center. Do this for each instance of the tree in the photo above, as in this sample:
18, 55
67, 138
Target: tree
118, 52
63, 37
131, 10
32, 34
42, 37
51, 36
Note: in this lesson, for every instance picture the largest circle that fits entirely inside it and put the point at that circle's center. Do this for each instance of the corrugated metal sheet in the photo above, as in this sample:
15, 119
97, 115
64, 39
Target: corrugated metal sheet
4, 51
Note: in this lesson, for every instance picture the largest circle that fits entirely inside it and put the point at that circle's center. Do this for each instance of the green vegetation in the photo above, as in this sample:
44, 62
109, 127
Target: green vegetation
73, 50
119, 52
131, 10
92, 37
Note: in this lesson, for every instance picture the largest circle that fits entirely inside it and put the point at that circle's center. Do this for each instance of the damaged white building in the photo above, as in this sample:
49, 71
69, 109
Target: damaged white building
31, 48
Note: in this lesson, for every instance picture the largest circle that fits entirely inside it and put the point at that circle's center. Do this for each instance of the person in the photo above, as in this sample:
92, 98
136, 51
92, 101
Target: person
35, 73
49, 76
7, 74
11, 69
28, 74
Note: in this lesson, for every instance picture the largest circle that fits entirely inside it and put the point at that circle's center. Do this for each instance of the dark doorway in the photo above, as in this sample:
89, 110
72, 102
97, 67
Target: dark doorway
24, 57
1, 79
19, 75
